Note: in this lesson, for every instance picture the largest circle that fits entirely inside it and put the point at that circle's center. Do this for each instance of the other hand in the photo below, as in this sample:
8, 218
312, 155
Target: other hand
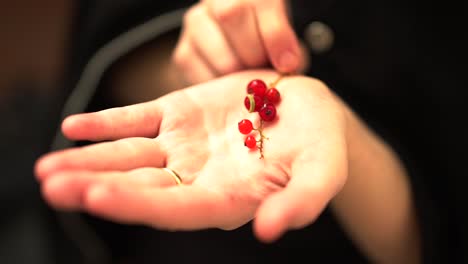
224, 36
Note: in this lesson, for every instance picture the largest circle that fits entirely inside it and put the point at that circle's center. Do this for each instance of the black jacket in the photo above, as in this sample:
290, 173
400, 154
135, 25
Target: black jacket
400, 65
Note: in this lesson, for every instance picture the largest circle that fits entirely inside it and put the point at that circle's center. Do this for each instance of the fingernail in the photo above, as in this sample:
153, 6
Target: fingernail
44, 167
288, 62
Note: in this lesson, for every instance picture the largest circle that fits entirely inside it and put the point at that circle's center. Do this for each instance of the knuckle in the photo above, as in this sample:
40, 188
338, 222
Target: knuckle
180, 56
192, 15
228, 66
230, 13
187, 16
255, 60
262, 4
275, 31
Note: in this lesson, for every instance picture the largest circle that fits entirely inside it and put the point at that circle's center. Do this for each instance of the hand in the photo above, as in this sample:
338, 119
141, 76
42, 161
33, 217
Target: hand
225, 36
194, 132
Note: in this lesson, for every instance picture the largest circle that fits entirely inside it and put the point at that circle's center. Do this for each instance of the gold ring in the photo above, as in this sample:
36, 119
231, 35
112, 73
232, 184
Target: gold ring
174, 175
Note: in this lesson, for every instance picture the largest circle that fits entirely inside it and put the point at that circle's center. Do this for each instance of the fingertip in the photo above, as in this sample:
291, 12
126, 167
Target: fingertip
54, 191
270, 223
39, 171
265, 233
67, 125
45, 166
279, 38
284, 50
287, 62
50, 187
286, 210
72, 125
304, 59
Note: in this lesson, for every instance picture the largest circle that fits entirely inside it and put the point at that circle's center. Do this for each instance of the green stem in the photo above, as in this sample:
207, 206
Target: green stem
273, 84
260, 128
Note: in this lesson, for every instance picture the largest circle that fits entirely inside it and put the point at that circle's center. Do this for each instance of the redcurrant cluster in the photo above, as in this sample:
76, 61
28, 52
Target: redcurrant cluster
261, 99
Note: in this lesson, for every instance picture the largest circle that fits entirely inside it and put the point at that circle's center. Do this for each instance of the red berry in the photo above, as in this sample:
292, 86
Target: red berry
272, 95
257, 87
250, 142
268, 112
245, 126
253, 103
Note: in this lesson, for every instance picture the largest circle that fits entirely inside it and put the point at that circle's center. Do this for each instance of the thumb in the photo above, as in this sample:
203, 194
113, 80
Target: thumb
279, 38
314, 182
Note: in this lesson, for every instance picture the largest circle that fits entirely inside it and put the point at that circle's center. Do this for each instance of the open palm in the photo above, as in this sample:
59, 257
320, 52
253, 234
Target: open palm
194, 132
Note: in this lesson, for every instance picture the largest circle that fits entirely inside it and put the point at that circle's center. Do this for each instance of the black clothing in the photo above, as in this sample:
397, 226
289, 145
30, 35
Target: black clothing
388, 62
390, 66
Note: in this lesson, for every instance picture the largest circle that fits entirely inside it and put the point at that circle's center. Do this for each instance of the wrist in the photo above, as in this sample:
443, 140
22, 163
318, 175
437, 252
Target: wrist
375, 205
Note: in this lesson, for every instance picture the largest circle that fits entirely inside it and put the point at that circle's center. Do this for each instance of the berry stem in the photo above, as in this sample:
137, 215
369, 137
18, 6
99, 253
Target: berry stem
274, 83
262, 136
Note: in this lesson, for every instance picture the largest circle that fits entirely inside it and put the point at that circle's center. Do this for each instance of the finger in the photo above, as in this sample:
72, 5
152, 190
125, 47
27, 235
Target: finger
238, 23
189, 62
125, 154
178, 208
207, 37
315, 181
140, 120
64, 190
279, 38
304, 64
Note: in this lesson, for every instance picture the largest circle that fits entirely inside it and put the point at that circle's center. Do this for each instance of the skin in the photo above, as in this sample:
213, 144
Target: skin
332, 159
243, 34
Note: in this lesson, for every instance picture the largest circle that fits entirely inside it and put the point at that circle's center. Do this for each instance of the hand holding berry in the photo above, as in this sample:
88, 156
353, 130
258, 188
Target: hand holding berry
220, 37
195, 132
